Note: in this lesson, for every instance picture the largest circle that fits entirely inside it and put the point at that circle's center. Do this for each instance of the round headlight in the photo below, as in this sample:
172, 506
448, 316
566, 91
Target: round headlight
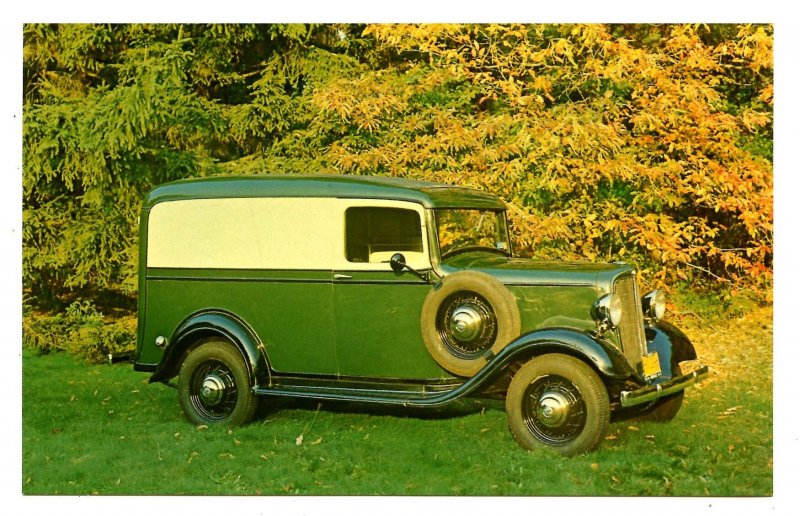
608, 310
654, 304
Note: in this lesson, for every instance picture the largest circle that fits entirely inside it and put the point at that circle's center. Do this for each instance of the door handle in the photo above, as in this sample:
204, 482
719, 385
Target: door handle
342, 276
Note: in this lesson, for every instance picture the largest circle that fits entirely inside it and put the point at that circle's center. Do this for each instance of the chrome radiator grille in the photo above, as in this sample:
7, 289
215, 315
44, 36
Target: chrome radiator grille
631, 329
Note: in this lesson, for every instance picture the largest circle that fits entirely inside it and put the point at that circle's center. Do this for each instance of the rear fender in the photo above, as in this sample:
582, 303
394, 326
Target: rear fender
213, 323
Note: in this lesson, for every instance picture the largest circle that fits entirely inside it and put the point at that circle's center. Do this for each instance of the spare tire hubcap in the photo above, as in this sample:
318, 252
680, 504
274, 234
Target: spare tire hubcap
466, 323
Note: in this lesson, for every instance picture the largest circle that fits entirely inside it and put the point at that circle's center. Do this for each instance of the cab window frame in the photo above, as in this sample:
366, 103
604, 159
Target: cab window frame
420, 260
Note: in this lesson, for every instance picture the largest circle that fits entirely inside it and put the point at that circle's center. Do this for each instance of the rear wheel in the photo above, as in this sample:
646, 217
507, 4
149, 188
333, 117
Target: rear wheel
214, 385
557, 401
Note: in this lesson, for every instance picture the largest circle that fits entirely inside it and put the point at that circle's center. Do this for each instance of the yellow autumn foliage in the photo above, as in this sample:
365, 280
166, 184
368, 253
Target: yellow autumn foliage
603, 149
645, 143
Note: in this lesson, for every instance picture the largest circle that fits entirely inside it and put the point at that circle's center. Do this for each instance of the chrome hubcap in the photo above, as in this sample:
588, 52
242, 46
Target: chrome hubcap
466, 323
553, 409
212, 391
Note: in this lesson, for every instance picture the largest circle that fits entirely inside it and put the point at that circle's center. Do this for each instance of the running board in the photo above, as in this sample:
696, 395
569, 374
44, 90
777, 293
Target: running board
524, 347
382, 397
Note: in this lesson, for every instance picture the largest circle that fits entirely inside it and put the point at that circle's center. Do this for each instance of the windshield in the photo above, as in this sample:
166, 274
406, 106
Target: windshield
462, 230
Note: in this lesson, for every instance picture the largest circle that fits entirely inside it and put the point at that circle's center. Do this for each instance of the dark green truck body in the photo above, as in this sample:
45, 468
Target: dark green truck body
312, 321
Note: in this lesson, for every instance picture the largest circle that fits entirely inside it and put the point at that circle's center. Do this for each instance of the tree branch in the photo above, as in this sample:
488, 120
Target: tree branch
709, 272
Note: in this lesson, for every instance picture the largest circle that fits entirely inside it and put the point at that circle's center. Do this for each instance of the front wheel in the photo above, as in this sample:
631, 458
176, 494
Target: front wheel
557, 401
214, 385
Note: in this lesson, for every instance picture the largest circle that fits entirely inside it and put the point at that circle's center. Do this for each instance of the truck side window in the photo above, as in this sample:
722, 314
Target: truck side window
373, 234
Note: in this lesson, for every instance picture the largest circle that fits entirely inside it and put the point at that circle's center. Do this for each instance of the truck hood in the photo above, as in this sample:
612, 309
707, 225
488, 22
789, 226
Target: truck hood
525, 271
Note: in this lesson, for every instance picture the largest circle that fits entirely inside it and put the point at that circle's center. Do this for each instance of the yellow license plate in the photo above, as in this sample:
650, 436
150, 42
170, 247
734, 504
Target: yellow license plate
650, 365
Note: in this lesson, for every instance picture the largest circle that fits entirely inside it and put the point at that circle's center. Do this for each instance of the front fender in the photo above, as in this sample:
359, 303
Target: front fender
597, 352
672, 345
213, 323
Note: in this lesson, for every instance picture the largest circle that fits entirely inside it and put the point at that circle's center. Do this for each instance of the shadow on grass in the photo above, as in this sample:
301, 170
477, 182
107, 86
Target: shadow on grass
461, 408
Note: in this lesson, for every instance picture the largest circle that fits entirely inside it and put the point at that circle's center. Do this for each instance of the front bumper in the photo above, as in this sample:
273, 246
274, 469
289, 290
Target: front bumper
659, 390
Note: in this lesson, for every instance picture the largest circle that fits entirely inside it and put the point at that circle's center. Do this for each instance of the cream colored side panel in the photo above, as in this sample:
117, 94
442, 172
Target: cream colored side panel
251, 233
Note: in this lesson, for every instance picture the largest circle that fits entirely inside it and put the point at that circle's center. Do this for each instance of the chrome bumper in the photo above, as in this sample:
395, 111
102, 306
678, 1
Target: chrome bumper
653, 392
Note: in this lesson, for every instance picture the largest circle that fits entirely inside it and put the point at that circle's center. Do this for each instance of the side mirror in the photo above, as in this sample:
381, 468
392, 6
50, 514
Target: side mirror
397, 262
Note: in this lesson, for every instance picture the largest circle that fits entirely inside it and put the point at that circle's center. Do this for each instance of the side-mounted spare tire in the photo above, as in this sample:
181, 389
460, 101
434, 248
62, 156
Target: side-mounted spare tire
466, 319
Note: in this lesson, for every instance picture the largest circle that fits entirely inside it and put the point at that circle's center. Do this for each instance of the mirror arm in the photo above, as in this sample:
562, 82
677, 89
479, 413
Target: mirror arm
423, 276
398, 264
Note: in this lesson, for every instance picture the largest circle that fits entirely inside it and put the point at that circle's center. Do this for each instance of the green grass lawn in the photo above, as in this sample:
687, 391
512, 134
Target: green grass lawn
104, 430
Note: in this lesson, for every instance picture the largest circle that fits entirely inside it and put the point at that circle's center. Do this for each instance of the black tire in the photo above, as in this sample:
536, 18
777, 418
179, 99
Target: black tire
559, 402
214, 386
492, 319
667, 408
